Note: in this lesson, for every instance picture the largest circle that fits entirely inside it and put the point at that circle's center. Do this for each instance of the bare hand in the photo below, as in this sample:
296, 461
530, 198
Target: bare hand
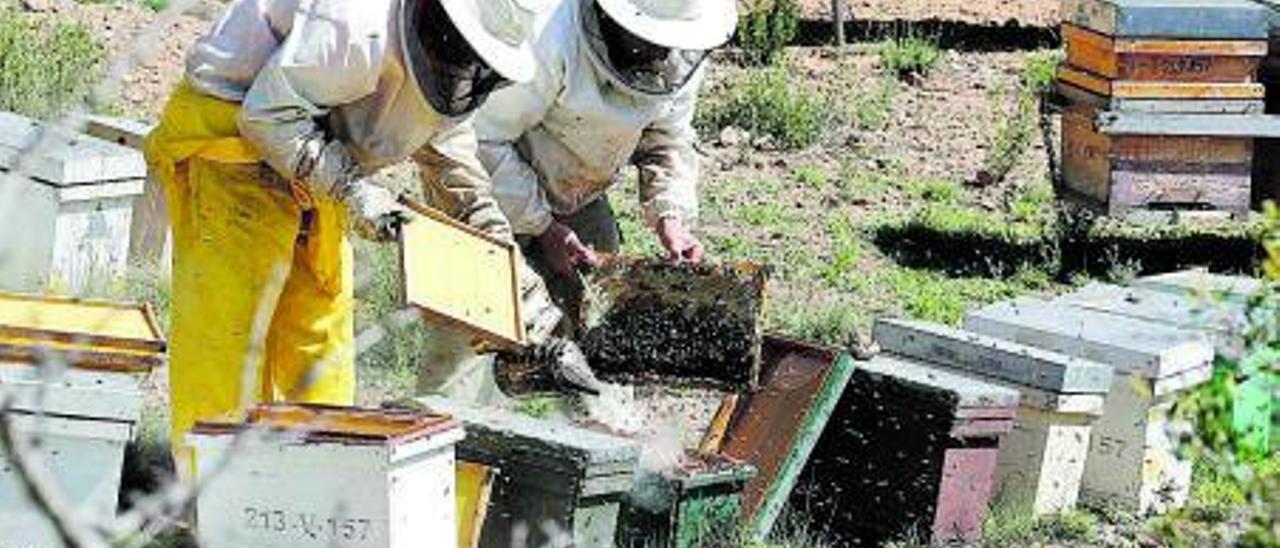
681, 245
564, 251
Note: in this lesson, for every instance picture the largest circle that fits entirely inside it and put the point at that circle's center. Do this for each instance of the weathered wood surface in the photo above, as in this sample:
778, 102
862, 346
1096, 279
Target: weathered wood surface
460, 278
776, 427
1131, 346
84, 459
64, 157
1247, 126
1041, 462
992, 357
1139, 185
87, 394
1139, 89
1182, 19
1077, 95
969, 392
281, 493
1203, 284
1163, 60
1225, 321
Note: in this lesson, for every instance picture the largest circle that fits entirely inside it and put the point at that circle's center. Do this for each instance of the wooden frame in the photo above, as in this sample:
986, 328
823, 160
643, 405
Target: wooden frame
87, 350
435, 313
1206, 61
1137, 89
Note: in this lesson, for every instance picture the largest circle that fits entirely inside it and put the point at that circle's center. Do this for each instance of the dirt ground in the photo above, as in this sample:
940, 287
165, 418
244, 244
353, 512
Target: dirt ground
1026, 12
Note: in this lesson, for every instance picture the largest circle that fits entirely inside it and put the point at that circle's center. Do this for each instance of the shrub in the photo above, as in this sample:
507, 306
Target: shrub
765, 31
766, 103
908, 57
44, 67
874, 108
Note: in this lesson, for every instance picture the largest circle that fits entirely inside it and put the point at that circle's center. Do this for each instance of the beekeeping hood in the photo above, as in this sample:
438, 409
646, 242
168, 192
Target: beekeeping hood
655, 46
461, 50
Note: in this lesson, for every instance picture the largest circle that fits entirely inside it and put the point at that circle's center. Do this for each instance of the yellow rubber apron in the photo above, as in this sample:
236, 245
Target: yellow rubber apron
262, 305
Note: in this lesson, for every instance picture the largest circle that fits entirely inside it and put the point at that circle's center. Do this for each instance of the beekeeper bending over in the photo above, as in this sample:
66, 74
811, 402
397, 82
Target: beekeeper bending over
617, 83
264, 153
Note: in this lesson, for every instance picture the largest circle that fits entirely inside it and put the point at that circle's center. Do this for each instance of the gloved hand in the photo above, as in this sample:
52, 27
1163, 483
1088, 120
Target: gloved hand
540, 314
373, 210
564, 251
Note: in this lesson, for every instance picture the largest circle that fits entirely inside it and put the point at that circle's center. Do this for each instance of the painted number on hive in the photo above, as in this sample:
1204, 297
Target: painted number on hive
307, 525
1112, 446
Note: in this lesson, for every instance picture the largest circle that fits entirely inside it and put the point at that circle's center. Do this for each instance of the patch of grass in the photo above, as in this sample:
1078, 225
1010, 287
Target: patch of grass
1015, 130
940, 191
846, 250
391, 364
855, 184
1040, 71
933, 296
827, 322
1033, 203
812, 177
766, 28
765, 102
909, 56
44, 66
156, 5
873, 108
767, 215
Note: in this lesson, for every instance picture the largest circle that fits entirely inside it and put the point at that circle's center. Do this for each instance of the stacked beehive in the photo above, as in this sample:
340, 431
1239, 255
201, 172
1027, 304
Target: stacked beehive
1163, 103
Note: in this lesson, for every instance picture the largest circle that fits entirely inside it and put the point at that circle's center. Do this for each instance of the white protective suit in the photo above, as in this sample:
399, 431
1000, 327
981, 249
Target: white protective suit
345, 66
556, 144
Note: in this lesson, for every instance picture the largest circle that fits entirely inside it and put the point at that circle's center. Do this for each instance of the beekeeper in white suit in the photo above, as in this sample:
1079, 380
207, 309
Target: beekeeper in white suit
617, 83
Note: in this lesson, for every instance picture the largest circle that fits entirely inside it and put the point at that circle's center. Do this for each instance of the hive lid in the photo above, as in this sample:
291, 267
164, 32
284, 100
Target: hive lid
1129, 345
460, 278
92, 334
350, 425
1185, 311
63, 157
502, 435
970, 392
776, 427
1203, 283
994, 358
1186, 19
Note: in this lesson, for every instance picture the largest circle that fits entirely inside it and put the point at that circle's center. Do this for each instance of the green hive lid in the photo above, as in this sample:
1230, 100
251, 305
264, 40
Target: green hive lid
1171, 19
993, 358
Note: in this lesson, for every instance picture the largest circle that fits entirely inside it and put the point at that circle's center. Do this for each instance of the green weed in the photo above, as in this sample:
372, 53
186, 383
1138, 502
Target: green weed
910, 56
873, 108
846, 250
45, 66
854, 184
1032, 203
941, 191
812, 177
766, 28
763, 214
156, 5
1040, 71
765, 102
829, 322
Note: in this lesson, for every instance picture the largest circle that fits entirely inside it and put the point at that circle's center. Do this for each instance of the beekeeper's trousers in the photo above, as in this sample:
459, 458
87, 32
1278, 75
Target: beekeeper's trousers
262, 306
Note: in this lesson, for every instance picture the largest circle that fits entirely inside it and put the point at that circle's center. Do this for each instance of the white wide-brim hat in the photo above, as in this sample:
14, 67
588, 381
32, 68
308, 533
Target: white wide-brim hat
677, 24
499, 31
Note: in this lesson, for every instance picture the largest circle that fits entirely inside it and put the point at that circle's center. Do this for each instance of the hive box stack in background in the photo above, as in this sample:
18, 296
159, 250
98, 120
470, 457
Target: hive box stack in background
75, 206
1042, 461
80, 418
1133, 459
328, 476
910, 450
1163, 103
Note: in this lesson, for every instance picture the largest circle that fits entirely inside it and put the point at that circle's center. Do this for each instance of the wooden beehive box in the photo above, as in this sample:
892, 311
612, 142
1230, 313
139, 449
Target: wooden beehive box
776, 427
299, 476
645, 320
1181, 19
1119, 172
74, 204
1042, 461
689, 507
90, 407
1133, 458
1222, 321
1164, 60
460, 278
559, 484
910, 449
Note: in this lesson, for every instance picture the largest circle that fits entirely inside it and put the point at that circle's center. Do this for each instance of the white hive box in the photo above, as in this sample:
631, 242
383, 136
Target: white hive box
92, 404
330, 477
1042, 461
66, 223
1133, 457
